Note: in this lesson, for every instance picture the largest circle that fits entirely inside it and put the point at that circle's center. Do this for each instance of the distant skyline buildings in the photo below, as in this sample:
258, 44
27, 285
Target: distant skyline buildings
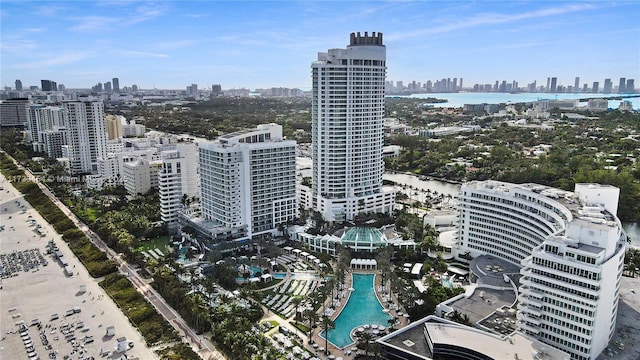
444, 85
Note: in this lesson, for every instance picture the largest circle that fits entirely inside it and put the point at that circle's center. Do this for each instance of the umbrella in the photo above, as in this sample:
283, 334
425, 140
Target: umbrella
351, 289
386, 311
361, 329
315, 346
374, 326
406, 315
331, 357
320, 349
376, 332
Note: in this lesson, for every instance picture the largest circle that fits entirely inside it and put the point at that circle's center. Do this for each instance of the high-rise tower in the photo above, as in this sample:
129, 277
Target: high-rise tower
115, 83
347, 131
622, 85
86, 135
248, 182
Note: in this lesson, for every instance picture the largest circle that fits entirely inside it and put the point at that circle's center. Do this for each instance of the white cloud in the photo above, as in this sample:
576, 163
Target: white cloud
492, 19
54, 60
18, 45
89, 23
142, 54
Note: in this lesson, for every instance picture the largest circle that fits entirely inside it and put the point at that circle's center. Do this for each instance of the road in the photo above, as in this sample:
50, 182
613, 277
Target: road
203, 347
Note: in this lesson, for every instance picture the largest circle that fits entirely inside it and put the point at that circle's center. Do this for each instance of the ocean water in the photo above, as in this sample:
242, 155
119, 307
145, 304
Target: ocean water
461, 98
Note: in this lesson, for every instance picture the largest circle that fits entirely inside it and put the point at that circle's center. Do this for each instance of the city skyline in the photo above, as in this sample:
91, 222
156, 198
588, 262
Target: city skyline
256, 44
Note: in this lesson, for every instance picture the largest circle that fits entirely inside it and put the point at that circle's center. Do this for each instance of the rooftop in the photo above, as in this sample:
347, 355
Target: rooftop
446, 334
366, 235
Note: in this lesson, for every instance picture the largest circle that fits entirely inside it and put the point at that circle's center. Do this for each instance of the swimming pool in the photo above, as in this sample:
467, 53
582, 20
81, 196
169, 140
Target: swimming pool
252, 273
362, 308
447, 282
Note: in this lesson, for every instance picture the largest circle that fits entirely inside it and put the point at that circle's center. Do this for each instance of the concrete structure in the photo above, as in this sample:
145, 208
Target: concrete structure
247, 183
571, 248
448, 130
41, 119
598, 104
133, 130
436, 338
178, 177
48, 85
53, 140
115, 82
141, 175
347, 130
114, 127
13, 112
86, 135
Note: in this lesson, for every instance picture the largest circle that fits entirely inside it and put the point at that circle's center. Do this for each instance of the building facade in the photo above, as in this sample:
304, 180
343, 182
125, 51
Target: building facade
178, 180
13, 112
42, 118
86, 135
248, 181
348, 130
570, 246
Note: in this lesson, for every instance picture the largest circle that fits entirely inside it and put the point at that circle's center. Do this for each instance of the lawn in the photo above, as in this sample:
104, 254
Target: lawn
92, 214
161, 242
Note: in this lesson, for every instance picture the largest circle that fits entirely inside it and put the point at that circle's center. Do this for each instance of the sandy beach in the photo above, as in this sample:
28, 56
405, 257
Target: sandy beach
44, 311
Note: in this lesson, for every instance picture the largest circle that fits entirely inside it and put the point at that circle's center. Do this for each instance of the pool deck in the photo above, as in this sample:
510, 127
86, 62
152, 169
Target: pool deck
342, 352
315, 337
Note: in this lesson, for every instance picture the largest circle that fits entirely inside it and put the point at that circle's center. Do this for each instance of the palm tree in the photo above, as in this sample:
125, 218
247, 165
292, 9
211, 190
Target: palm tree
391, 322
364, 341
459, 317
327, 324
295, 301
312, 316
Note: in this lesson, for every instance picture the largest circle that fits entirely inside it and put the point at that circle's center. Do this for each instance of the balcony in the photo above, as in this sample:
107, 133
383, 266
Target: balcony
528, 319
530, 310
528, 328
531, 301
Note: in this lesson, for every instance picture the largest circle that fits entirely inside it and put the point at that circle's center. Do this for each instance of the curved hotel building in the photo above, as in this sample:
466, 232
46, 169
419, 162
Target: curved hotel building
571, 248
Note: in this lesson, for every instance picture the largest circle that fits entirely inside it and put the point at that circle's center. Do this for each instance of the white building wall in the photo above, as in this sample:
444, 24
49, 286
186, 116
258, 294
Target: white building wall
348, 129
177, 177
248, 179
86, 135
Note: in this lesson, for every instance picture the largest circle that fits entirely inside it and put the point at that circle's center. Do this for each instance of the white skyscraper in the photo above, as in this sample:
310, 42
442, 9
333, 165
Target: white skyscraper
86, 135
248, 182
570, 284
178, 177
42, 118
347, 132
571, 248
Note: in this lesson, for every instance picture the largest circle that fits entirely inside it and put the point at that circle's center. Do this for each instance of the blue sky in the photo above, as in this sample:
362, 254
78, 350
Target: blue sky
167, 44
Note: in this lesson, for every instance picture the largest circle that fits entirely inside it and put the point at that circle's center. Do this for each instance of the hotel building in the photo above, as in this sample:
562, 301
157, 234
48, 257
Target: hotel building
247, 183
86, 135
571, 248
348, 130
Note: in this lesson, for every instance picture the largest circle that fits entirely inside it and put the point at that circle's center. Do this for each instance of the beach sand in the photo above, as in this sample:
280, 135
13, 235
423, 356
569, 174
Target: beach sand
42, 291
